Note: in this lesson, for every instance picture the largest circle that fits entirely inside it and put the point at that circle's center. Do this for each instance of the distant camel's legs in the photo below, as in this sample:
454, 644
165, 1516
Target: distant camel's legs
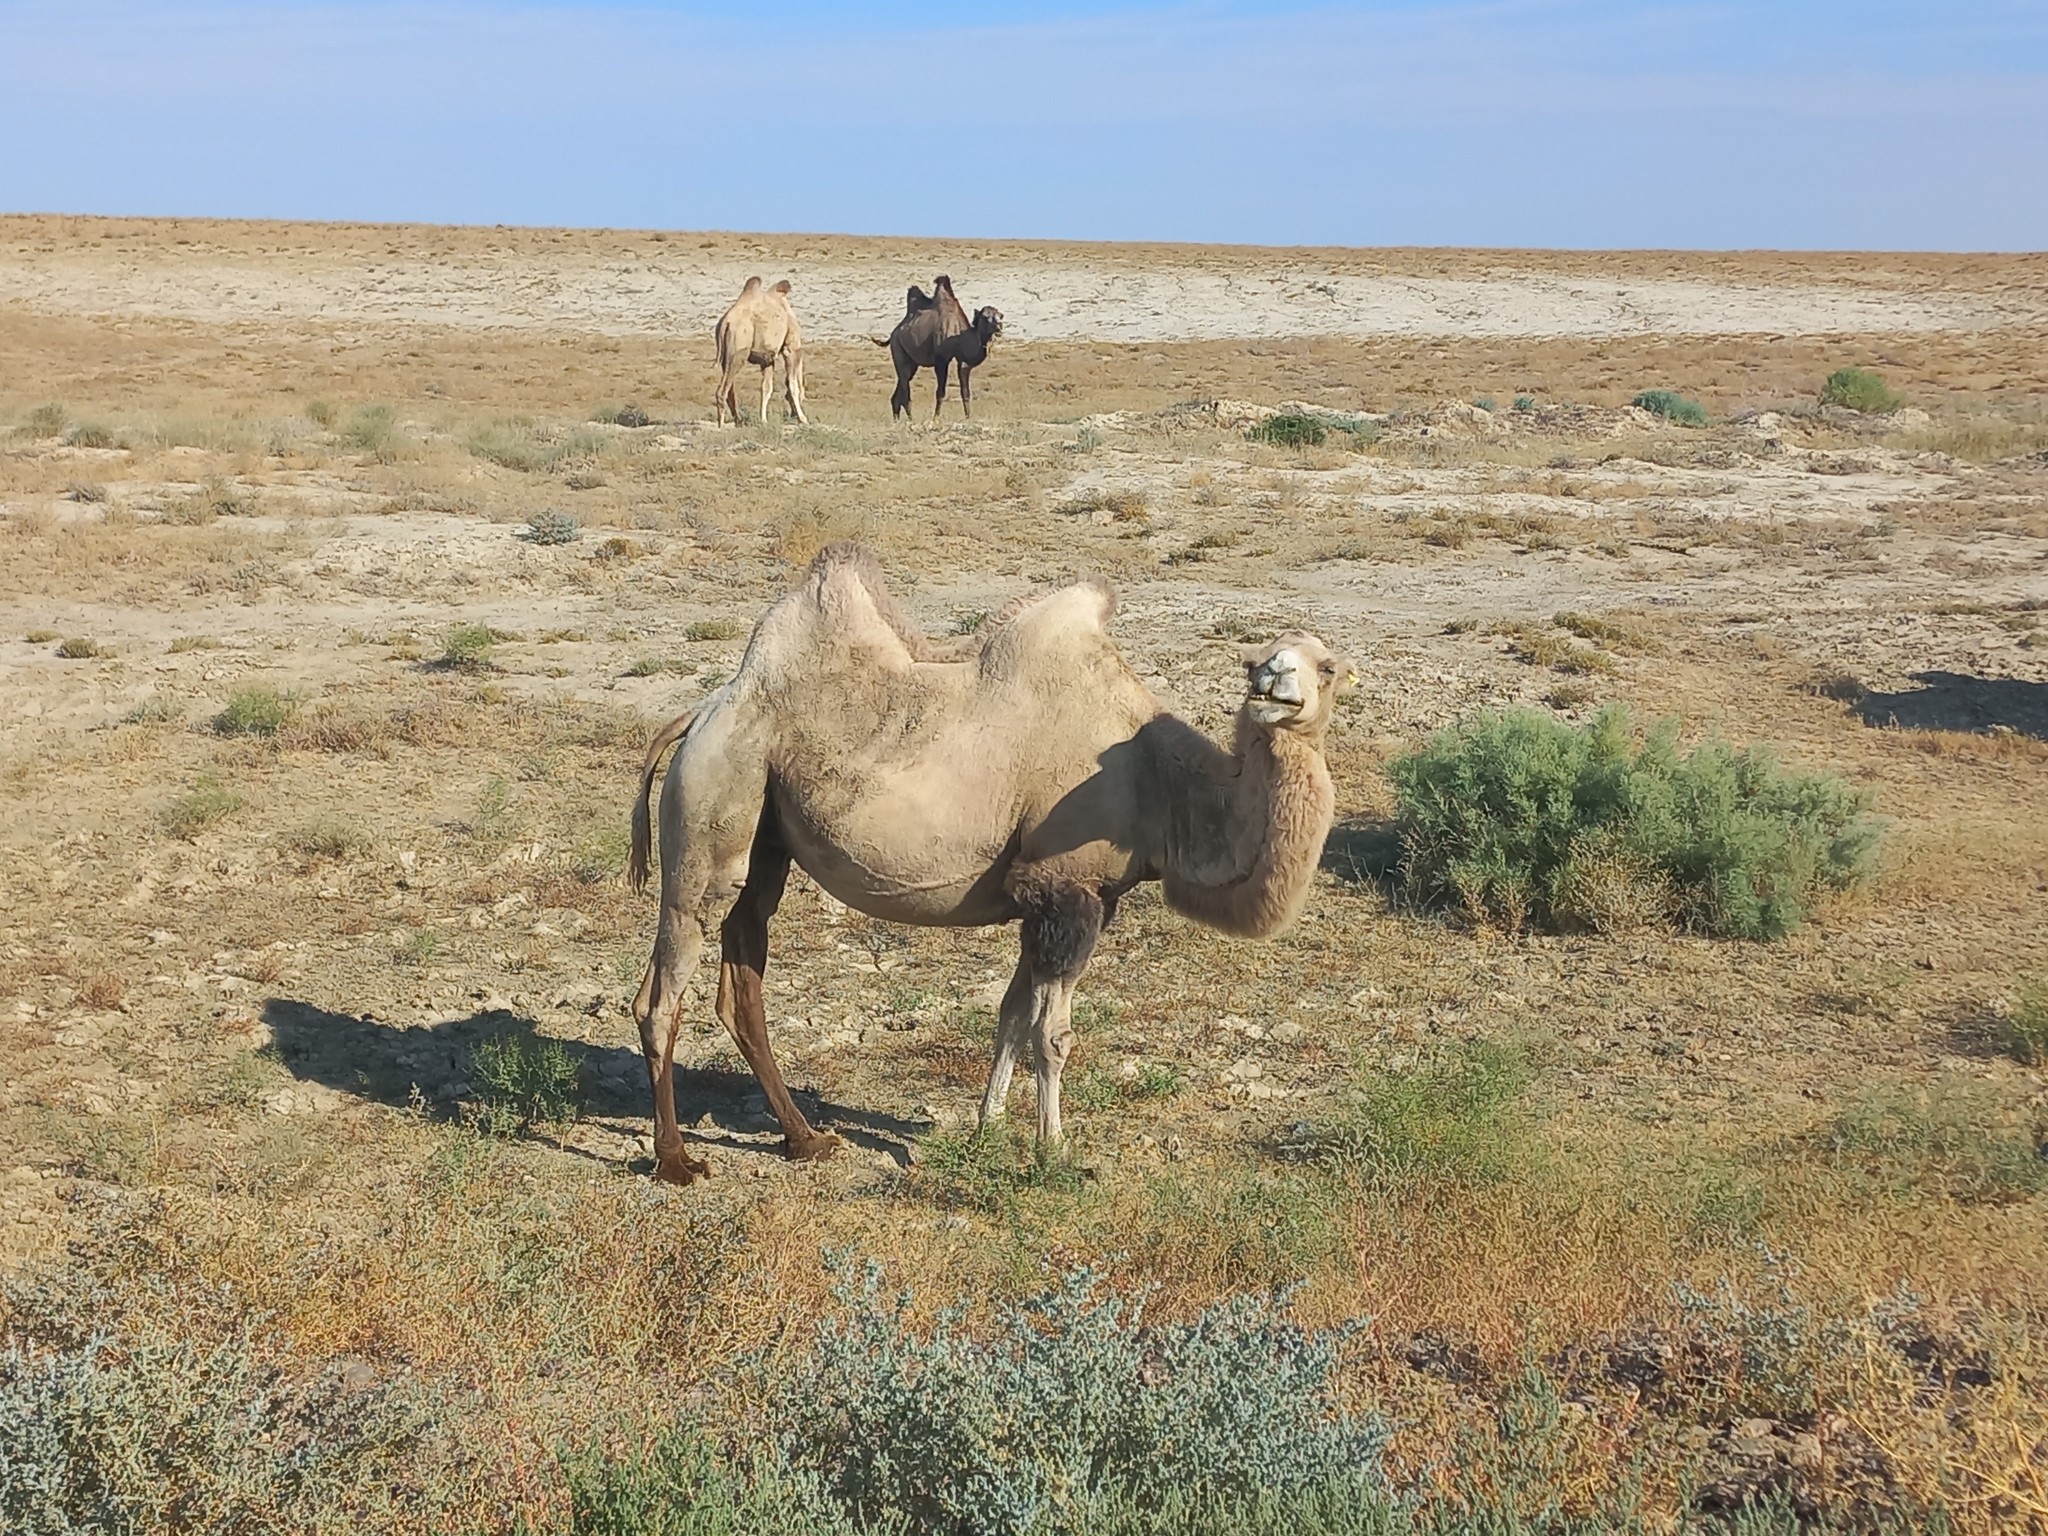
1013, 1031
793, 387
939, 400
743, 942
965, 370
767, 389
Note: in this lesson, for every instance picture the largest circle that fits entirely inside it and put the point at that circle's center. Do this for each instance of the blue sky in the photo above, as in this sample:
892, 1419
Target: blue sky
1720, 123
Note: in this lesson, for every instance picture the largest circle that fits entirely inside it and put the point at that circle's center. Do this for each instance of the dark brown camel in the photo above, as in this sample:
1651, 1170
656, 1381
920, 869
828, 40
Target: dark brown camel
936, 333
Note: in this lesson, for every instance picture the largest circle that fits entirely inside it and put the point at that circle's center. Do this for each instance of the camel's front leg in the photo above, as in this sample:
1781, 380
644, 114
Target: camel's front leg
767, 391
743, 961
1013, 1030
939, 400
1061, 925
966, 408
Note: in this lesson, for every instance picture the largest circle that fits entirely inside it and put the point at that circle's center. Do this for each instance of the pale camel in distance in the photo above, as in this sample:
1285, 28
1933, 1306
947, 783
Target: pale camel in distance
1023, 775
758, 328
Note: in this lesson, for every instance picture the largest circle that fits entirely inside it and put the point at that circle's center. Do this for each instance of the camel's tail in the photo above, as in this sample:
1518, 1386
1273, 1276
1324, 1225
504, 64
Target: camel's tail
880, 341
643, 820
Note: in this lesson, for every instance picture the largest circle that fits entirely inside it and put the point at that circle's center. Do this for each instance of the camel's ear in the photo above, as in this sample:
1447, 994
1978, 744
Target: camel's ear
783, 286
753, 285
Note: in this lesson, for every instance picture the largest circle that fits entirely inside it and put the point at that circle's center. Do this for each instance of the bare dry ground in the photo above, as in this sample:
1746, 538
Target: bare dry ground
297, 468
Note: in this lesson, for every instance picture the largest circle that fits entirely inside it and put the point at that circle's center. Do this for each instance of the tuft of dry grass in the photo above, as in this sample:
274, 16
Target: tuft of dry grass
103, 991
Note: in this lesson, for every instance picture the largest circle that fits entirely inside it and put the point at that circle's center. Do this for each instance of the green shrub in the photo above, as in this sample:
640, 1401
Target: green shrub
715, 629
1484, 403
1291, 429
622, 416
468, 647
528, 1081
1074, 1404
987, 1169
373, 431
1672, 406
82, 648
322, 413
656, 666
1522, 818
2026, 1032
529, 449
551, 527
46, 420
206, 802
154, 710
1525, 403
1860, 390
1454, 1117
1954, 1137
158, 1433
329, 837
255, 712
90, 434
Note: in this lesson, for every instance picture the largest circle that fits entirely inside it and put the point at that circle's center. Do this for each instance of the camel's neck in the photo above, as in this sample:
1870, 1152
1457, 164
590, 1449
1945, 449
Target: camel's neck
1244, 830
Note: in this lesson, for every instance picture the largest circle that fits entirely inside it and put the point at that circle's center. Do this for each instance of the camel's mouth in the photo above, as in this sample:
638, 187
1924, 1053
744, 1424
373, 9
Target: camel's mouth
1268, 708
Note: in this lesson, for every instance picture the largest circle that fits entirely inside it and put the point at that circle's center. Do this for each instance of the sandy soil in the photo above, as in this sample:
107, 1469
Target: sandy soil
294, 458
647, 286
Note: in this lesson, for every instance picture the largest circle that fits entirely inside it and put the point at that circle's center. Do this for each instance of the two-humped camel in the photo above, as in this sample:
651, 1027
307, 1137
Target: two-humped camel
1025, 774
758, 328
936, 333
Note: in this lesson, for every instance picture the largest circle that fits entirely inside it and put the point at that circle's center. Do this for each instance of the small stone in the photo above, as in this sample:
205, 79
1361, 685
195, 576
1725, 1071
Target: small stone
1285, 1034
1806, 1450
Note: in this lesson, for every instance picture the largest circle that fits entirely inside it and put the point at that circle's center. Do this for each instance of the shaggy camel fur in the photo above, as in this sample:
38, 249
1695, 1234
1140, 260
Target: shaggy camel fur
936, 333
758, 328
1028, 776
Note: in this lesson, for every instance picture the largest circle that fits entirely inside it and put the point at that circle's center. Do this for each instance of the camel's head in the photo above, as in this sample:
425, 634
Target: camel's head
1293, 682
989, 321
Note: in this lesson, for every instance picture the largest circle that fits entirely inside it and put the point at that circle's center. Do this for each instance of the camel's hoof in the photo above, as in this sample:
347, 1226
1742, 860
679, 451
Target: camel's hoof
819, 1147
681, 1170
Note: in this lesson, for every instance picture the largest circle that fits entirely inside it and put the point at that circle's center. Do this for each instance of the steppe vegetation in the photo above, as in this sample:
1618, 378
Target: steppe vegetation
1643, 1130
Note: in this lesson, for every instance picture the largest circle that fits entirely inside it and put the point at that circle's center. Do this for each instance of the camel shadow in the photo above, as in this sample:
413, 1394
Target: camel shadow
1956, 701
362, 1055
1364, 851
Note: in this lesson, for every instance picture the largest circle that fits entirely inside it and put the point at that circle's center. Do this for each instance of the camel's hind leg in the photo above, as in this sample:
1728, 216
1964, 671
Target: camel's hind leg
711, 801
728, 396
767, 390
793, 387
743, 942
939, 400
659, 1009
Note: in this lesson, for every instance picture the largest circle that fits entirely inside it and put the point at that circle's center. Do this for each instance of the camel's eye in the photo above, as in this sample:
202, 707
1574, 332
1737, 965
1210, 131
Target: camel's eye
1328, 669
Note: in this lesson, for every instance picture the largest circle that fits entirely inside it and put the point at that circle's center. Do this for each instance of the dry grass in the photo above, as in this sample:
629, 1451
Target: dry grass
415, 846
